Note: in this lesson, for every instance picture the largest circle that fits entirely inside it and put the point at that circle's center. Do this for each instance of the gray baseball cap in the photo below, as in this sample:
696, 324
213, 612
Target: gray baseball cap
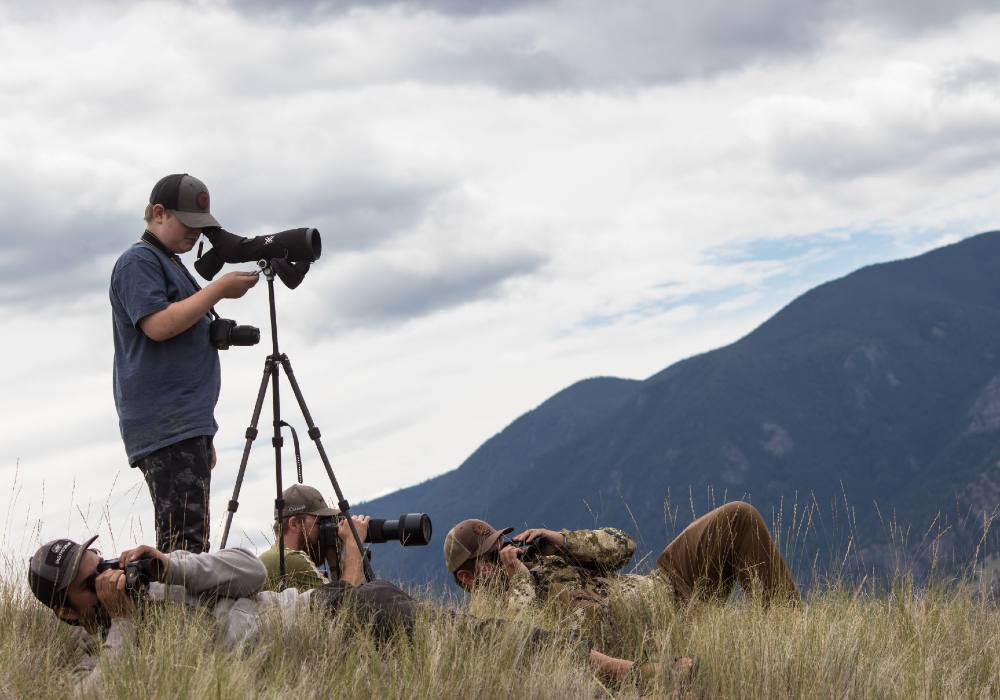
304, 500
54, 567
187, 197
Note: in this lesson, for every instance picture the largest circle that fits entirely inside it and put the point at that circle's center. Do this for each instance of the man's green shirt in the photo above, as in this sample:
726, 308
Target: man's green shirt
300, 572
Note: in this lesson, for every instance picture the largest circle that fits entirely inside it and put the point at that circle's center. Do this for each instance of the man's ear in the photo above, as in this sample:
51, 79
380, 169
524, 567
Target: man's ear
465, 579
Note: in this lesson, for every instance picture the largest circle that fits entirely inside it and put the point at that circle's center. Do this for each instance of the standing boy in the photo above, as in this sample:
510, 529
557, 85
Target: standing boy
166, 371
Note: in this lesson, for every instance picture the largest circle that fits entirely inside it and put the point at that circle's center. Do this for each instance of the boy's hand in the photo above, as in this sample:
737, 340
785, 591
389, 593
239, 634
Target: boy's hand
233, 285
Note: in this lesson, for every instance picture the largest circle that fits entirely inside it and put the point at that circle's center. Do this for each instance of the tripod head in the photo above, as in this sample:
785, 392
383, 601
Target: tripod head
289, 272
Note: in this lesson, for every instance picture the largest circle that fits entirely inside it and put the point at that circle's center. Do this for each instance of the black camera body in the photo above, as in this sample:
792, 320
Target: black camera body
139, 573
530, 551
223, 333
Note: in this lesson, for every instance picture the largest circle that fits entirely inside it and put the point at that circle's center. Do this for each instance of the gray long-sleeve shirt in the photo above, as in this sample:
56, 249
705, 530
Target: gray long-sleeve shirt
228, 583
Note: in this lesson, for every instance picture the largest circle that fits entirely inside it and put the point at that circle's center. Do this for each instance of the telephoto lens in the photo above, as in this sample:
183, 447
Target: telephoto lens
411, 529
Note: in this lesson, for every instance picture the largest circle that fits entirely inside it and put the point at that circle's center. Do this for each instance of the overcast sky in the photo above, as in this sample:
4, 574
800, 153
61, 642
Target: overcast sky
512, 197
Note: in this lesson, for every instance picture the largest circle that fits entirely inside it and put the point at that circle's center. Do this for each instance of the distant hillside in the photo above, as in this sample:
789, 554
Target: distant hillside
882, 387
480, 486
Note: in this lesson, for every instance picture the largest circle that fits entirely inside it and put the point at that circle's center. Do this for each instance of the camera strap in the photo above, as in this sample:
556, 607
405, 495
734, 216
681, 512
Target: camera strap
298, 453
155, 243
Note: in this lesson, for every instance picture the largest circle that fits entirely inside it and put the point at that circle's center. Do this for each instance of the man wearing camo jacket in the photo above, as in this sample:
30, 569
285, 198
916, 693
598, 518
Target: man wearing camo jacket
578, 570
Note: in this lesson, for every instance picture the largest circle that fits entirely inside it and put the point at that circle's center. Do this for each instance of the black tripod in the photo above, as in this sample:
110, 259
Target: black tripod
271, 372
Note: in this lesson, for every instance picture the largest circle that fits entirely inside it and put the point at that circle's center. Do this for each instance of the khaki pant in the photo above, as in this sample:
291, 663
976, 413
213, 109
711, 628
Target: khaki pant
729, 544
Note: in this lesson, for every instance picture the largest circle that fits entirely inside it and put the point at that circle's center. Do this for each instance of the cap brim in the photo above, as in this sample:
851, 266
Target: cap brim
77, 559
488, 543
193, 219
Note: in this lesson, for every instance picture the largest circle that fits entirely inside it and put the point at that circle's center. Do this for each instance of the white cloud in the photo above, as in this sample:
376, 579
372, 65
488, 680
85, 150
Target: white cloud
494, 229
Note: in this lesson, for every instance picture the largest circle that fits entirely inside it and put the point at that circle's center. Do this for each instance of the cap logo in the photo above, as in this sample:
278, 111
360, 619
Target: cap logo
56, 552
202, 201
482, 529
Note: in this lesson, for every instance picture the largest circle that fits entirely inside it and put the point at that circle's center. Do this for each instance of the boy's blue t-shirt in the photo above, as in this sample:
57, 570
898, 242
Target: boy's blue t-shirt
165, 391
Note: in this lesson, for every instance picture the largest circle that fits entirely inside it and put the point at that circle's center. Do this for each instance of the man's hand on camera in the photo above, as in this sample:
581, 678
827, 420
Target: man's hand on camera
510, 562
344, 530
551, 537
110, 587
145, 551
352, 568
233, 285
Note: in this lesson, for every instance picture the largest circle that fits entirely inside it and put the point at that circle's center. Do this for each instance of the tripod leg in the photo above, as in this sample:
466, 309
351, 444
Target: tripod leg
277, 441
314, 433
270, 368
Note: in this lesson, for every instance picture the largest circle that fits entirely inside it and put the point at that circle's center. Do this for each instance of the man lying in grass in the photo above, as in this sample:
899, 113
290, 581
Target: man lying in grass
299, 530
69, 578
577, 570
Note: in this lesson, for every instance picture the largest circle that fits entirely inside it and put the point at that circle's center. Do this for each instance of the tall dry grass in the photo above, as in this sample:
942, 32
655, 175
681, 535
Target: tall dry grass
855, 636
903, 644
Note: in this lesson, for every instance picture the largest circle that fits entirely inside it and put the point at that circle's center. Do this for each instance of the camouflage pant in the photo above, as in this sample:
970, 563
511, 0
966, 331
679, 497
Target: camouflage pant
178, 477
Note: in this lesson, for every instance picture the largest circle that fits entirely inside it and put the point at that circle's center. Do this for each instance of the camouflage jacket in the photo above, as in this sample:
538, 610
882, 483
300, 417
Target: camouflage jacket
580, 577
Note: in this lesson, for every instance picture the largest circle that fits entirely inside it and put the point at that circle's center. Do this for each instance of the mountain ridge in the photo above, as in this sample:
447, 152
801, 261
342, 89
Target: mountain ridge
882, 386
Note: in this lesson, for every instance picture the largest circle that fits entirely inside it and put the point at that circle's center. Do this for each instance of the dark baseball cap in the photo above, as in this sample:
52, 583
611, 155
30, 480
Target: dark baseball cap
470, 539
187, 197
54, 567
304, 500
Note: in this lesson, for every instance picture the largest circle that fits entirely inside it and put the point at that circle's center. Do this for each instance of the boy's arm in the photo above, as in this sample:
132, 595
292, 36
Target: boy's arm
181, 315
140, 286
